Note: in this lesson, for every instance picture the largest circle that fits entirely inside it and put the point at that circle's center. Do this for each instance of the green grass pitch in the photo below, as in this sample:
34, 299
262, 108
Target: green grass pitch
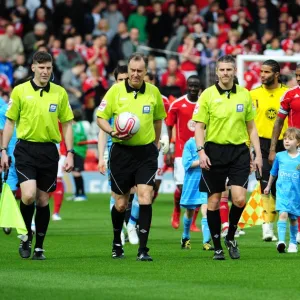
79, 263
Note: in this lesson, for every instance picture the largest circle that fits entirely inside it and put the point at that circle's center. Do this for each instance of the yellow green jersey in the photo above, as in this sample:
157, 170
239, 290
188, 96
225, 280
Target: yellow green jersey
37, 111
225, 114
267, 104
146, 104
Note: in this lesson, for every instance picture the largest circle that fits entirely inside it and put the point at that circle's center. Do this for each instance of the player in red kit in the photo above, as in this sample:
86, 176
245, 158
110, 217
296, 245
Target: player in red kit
180, 115
58, 194
289, 107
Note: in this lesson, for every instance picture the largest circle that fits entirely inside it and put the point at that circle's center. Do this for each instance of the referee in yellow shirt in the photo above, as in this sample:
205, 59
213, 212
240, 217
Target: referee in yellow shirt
36, 107
133, 159
266, 99
226, 111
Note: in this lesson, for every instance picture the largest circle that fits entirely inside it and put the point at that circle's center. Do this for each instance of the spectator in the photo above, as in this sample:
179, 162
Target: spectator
71, 82
113, 16
174, 17
267, 38
35, 38
119, 39
189, 56
233, 47
158, 28
41, 16
21, 12
56, 48
171, 90
33, 5
68, 58
139, 20
173, 70
67, 29
98, 54
220, 29
21, 70
263, 22
296, 48
131, 45
10, 45
47, 8
274, 49
103, 28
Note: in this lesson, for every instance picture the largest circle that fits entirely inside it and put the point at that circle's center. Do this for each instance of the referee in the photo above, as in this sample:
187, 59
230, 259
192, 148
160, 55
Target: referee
266, 99
36, 107
133, 159
226, 110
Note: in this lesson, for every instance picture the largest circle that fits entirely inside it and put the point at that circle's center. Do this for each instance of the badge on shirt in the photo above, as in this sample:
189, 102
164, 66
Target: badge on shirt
196, 109
240, 107
52, 107
146, 109
102, 105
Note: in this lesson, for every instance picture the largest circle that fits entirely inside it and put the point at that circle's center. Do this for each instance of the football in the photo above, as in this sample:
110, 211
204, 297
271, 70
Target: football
127, 123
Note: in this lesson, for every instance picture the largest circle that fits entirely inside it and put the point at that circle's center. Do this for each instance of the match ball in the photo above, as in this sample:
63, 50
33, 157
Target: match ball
127, 123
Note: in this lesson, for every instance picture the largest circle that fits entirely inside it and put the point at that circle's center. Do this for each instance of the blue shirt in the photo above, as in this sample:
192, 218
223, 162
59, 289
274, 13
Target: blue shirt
109, 139
13, 140
190, 190
287, 169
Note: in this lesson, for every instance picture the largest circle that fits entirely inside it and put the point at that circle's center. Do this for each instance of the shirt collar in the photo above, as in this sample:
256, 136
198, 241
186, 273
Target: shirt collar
221, 91
36, 87
130, 89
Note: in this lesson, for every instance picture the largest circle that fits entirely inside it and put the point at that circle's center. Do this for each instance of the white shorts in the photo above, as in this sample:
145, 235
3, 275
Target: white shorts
178, 171
160, 166
61, 162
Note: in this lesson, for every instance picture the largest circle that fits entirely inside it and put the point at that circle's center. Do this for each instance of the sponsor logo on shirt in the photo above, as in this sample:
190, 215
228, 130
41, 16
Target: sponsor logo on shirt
240, 107
52, 107
271, 113
10, 103
102, 105
146, 109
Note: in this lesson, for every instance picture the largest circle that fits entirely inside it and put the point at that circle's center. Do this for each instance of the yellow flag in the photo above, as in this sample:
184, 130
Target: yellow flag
10, 215
253, 212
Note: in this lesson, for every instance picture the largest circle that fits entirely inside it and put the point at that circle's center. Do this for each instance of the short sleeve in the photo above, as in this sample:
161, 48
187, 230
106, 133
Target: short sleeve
159, 109
187, 156
275, 167
201, 111
14, 105
284, 106
250, 109
2, 116
105, 109
172, 116
65, 113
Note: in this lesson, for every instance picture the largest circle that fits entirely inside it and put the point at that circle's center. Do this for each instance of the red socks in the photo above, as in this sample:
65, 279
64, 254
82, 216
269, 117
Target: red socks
58, 195
224, 210
177, 195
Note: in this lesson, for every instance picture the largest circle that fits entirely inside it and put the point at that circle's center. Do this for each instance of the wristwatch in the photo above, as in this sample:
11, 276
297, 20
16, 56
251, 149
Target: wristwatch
3, 148
199, 148
110, 133
71, 151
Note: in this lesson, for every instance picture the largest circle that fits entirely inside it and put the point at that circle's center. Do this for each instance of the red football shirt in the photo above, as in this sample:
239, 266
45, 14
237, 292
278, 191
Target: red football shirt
290, 106
180, 114
166, 103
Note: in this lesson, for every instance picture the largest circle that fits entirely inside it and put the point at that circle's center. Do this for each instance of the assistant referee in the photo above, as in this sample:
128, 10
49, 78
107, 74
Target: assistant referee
36, 107
226, 110
133, 159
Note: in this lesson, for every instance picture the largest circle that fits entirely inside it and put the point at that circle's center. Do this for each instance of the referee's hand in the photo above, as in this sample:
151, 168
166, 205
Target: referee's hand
4, 161
204, 161
69, 163
121, 136
102, 166
258, 164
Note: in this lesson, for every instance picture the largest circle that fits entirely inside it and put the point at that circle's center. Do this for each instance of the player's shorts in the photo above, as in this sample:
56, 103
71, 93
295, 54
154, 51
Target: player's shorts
61, 162
178, 171
190, 206
160, 165
78, 163
37, 161
291, 216
132, 165
232, 161
266, 168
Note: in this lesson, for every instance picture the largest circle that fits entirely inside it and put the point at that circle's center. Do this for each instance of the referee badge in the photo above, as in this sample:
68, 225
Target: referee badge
146, 109
240, 107
52, 107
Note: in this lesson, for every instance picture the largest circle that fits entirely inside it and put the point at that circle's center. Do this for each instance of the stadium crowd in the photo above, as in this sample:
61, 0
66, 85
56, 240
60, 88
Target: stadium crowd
88, 39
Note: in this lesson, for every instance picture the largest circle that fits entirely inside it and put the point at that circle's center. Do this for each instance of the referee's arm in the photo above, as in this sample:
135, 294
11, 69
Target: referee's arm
157, 127
252, 132
199, 137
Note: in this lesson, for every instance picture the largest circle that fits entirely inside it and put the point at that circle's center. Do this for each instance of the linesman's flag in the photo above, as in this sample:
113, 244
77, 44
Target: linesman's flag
253, 212
10, 215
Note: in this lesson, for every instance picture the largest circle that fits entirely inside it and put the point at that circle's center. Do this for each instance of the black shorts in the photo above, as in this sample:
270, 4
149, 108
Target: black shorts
227, 161
132, 165
265, 150
37, 161
78, 163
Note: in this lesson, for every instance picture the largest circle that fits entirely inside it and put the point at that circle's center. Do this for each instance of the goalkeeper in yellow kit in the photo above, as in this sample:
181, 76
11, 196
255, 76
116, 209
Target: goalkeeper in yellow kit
266, 99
